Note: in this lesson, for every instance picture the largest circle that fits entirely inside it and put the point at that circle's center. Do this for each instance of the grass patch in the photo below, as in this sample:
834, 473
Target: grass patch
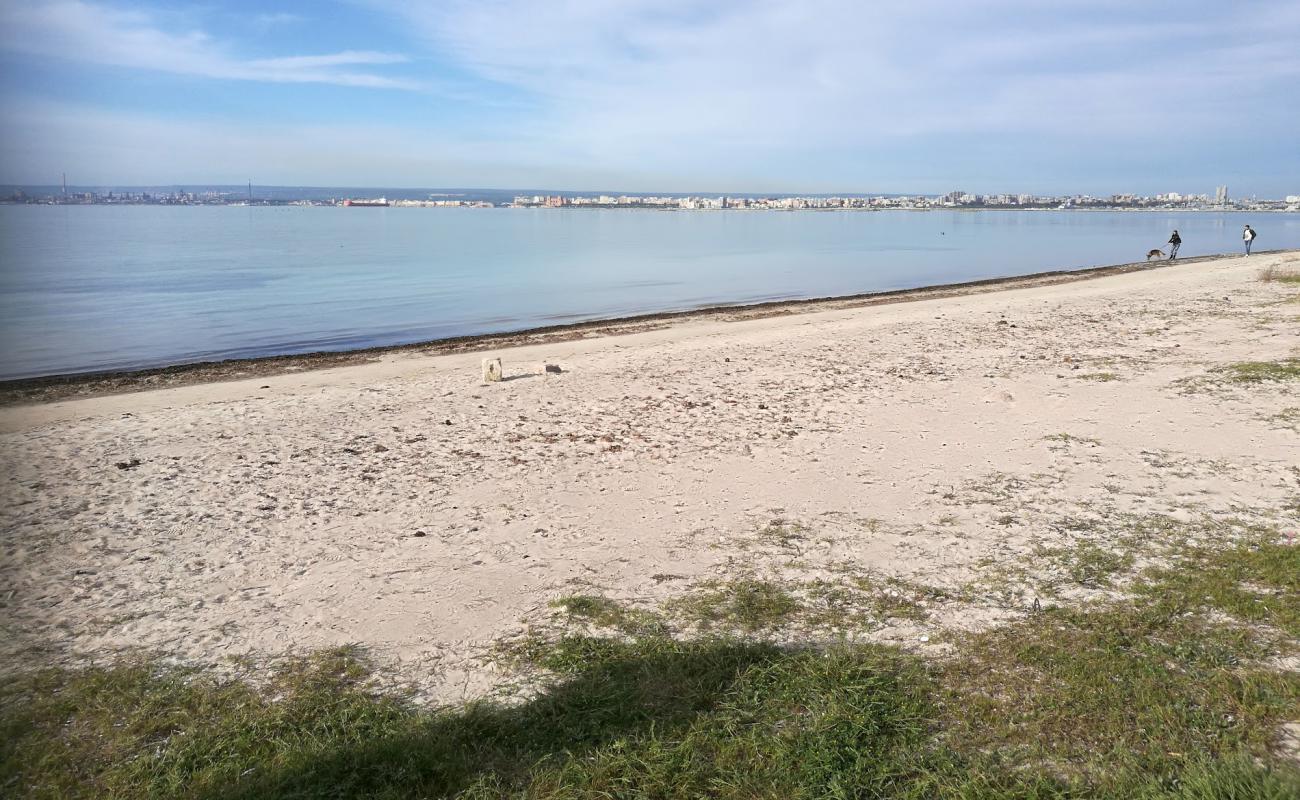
1087, 564
783, 533
747, 604
999, 489
606, 613
1166, 696
865, 600
1252, 372
1005, 584
1255, 583
1243, 373
1144, 687
1279, 275
143, 730
1104, 550
1068, 439
1288, 419
1102, 377
1162, 535
599, 610
1108, 696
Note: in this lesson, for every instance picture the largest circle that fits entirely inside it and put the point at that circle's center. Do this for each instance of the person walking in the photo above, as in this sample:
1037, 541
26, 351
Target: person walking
1174, 241
1248, 236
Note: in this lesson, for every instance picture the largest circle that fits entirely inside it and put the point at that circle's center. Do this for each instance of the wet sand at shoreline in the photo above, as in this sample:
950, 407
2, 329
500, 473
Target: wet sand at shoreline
60, 387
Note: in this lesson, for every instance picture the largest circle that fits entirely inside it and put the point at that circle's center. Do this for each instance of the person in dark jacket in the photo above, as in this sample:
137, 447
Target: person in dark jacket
1248, 236
1174, 241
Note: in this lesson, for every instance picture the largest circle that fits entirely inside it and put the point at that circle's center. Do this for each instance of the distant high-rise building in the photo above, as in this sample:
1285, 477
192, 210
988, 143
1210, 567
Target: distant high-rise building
1221, 194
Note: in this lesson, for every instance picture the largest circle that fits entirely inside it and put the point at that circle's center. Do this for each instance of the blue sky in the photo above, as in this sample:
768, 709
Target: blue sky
647, 95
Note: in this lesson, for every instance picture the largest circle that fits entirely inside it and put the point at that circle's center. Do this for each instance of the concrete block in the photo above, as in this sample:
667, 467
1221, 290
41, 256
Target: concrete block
491, 370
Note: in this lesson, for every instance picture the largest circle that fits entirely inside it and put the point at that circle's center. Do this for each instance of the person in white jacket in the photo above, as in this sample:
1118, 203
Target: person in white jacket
1248, 236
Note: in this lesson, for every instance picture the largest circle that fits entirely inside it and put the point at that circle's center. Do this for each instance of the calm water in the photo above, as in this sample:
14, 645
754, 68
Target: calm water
101, 287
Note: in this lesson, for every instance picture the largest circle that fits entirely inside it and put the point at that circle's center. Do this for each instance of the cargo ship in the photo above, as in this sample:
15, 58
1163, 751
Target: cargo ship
381, 202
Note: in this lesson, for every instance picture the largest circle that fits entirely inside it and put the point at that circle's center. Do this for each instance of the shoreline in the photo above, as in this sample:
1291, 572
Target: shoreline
471, 204
76, 385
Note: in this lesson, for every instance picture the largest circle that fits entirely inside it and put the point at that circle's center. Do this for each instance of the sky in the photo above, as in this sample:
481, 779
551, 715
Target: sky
927, 96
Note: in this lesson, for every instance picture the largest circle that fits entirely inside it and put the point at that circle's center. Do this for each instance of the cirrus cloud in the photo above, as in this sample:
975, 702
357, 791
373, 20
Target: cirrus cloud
99, 34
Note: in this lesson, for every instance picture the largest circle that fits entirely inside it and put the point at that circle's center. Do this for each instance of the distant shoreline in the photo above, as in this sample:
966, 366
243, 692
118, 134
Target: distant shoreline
488, 206
51, 388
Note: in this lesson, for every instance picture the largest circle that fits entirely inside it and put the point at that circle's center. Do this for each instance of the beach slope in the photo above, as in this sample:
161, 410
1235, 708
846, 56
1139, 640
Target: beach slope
959, 453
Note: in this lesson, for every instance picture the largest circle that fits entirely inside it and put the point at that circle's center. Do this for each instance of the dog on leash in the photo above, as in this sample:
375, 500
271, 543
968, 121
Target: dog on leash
1155, 254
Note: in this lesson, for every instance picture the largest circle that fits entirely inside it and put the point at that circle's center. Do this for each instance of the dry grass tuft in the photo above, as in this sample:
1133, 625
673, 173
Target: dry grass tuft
1279, 274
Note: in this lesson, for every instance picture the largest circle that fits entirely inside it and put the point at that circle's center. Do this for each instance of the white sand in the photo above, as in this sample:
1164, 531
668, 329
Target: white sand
279, 513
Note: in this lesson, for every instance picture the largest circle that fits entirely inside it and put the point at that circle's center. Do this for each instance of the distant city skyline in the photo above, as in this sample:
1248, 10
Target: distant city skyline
758, 97
226, 194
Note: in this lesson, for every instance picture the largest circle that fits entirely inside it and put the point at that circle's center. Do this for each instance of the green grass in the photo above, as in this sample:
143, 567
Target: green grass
1087, 564
1108, 697
1257, 584
1242, 373
1105, 550
783, 533
606, 613
747, 604
1252, 372
1147, 685
750, 605
1169, 695
1102, 377
864, 600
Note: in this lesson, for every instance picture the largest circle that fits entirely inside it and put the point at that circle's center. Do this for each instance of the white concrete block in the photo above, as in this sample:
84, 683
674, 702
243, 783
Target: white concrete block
491, 370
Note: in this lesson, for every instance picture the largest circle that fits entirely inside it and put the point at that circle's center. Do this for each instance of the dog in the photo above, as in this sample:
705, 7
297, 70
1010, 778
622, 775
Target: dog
1155, 254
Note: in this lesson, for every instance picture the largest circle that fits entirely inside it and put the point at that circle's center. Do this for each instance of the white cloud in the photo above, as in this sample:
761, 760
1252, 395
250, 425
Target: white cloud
346, 58
736, 95
101, 35
641, 77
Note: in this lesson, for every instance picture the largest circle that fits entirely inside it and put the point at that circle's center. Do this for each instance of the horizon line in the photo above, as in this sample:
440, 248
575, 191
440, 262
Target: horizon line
522, 189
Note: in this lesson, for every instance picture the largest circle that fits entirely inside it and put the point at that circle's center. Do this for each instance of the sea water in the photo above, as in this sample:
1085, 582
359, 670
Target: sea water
86, 288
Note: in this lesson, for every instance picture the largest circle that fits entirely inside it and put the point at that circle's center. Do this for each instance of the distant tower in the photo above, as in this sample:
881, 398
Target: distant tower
250, 191
65, 184
1221, 194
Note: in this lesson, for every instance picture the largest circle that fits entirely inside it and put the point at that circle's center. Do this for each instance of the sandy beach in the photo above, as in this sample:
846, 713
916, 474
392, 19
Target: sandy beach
951, 447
